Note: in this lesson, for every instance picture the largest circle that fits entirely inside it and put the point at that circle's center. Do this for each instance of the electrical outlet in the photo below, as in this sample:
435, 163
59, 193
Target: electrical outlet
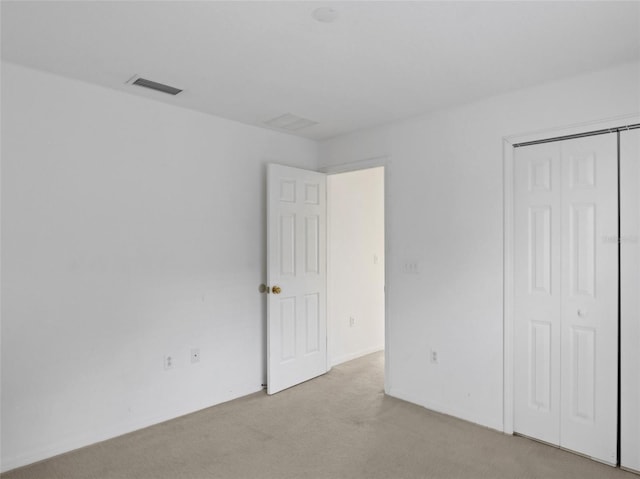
168, 362
195, 355
411, 267
434, 356
352, 322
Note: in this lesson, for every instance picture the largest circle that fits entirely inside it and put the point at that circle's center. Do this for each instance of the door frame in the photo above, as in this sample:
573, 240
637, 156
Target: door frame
509, 235
365, 164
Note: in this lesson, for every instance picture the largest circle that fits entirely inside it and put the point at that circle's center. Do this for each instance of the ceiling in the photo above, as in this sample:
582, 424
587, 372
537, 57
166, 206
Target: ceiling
378, 62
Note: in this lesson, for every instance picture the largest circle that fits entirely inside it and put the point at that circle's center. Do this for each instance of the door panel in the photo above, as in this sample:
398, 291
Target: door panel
296, 264
582, 249
583, 354
589, 357
630, 288
540, 249
312, 323
538, 295
540, 364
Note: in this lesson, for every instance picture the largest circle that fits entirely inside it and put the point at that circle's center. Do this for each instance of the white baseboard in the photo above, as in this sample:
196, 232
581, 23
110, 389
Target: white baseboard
405, 396
356, 355
629, 469
442, 409
83, 440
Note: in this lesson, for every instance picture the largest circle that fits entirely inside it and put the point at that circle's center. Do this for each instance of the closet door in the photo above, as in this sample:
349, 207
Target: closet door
538, 295
566, 287
589, 346
630, 296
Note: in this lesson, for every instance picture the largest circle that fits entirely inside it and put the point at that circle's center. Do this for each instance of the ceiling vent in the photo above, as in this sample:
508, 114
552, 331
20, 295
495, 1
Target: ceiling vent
136, 80
290, 122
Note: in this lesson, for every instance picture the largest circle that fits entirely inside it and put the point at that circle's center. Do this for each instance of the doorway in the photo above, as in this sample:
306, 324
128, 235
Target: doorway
301, 342
356, 264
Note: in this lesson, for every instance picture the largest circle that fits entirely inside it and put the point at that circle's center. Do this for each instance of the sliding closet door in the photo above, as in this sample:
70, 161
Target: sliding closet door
566, 287
630, 296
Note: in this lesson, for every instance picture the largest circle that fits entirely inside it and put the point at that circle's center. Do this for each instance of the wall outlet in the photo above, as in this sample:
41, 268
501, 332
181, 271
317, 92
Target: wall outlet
411, 266
195, 355
168, 362
433, 356
352, 322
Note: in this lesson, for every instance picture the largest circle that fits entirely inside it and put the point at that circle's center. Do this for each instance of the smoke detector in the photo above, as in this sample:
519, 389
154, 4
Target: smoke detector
325, 14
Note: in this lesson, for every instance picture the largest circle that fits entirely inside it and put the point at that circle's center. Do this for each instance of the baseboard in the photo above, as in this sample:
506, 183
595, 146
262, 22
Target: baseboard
628, 469
440, 408
83, 440
405, 396
359, 354
78, 442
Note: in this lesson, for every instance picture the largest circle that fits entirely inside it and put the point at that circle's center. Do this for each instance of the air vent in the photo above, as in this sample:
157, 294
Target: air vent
290, 122
155, 86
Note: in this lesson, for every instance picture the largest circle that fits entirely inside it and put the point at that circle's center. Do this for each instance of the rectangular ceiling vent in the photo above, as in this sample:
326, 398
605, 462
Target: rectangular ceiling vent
154, 85
290, 122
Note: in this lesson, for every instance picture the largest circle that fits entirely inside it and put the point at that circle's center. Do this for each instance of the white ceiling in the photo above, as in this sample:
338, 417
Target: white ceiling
378, 62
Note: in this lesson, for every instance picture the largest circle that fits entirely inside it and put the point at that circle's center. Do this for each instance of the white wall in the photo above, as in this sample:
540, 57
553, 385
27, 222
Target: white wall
444, 206
356, 264
130, 230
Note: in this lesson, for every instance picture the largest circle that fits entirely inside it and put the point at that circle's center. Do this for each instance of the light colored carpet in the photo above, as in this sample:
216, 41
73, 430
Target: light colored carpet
340, 425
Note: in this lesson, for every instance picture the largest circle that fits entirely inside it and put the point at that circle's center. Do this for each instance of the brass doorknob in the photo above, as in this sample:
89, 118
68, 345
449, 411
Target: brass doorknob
276, 290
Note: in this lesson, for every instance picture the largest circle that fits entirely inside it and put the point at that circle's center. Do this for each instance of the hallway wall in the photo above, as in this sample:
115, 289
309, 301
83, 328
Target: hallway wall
355, 310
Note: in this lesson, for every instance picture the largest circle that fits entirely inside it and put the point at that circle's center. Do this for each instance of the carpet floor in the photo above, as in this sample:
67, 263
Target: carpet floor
340, 425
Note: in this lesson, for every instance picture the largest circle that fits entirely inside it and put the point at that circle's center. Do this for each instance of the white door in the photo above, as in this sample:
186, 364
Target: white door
589, 378
630, 296
296, 273
566, 302
538, 294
